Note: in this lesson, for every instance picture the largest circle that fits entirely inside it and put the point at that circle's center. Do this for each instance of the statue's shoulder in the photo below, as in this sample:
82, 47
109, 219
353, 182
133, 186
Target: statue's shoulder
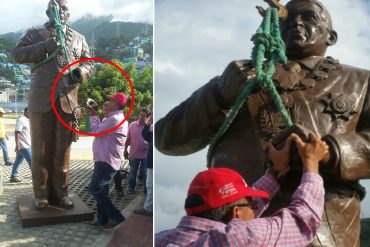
239, 65
35, 32
345, 67
75, 33
36, 29
353, 69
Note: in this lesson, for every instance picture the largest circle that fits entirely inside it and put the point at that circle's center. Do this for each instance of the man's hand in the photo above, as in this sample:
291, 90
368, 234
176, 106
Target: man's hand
92, 112
311, 152
280, 158
51, 44
149, 120
17, 148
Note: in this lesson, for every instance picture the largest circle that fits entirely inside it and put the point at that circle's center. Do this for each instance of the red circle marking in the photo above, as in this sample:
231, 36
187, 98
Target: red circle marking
81, 61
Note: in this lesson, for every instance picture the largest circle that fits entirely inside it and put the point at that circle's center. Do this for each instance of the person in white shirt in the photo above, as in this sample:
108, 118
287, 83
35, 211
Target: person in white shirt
22, 145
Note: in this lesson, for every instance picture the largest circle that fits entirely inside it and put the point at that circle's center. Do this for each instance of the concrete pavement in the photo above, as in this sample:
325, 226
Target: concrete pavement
73, 234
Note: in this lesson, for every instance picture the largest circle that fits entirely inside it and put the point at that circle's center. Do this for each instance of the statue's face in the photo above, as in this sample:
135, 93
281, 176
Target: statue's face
64, 12
306, 30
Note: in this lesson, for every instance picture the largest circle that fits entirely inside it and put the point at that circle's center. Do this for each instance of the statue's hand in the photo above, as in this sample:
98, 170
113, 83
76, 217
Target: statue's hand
280, 158
311, 152
51, 44
279, 142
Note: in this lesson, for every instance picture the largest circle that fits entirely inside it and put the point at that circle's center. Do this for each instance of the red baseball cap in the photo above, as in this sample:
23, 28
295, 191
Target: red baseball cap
219, 187
120, 98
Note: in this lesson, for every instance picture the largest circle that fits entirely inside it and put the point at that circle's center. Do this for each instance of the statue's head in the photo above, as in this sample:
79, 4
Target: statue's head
63, 9
307, 30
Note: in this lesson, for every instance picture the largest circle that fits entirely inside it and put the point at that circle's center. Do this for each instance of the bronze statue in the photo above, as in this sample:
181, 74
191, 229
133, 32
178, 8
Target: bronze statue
51, 141
326, 97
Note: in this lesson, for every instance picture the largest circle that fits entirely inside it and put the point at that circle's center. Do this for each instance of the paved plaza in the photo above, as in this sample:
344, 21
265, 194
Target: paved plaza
12, 233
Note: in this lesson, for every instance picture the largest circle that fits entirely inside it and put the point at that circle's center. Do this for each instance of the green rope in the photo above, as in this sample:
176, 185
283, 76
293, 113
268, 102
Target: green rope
61, 37
267, 45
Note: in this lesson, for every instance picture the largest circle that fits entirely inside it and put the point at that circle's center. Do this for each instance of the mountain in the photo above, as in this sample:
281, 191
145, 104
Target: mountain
111, 29
12, 35
87, 24
102, 26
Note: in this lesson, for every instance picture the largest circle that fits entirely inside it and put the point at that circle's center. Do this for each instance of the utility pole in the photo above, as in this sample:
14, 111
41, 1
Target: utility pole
93, 44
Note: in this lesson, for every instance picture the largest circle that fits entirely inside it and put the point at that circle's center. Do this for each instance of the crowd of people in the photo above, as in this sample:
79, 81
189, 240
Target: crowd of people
130, 141
107, 151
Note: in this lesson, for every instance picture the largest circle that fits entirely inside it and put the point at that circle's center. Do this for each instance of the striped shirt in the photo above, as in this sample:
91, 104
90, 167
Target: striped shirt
138, 146
109, 147
295, 225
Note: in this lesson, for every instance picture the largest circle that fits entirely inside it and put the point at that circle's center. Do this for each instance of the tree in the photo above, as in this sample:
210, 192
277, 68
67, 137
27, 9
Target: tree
109, 80
8, 73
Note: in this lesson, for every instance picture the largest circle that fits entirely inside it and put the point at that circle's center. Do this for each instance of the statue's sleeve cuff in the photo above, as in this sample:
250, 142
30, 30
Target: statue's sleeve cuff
85, 73
331, 168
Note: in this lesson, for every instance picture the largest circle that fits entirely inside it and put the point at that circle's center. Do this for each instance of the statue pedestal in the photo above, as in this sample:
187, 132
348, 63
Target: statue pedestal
1, 181
30, 216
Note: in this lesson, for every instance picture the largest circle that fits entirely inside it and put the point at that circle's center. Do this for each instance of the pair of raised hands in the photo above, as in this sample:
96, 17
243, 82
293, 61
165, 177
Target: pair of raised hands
311, 153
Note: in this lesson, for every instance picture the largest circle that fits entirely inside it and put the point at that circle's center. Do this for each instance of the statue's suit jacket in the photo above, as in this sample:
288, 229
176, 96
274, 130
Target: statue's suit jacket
332, 100
51, 142
31, 49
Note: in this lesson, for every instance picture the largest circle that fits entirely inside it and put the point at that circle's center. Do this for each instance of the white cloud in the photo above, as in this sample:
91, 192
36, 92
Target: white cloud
21, 14
199, 38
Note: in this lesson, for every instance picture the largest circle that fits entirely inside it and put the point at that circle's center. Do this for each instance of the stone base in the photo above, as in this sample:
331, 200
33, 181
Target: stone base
30, 216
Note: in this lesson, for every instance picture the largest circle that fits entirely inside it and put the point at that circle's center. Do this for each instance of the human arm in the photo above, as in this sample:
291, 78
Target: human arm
146, 133
297, 224
190, 126
32, 48
269, 182
85, 69
127, 143
17, 146
18, 129
97, 126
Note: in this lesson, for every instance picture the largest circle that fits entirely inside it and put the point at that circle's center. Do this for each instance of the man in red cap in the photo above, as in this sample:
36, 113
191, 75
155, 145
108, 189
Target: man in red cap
222, 210
107, 150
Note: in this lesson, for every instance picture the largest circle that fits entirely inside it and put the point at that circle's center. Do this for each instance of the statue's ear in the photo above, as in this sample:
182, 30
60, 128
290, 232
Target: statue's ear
47, 13
333, 37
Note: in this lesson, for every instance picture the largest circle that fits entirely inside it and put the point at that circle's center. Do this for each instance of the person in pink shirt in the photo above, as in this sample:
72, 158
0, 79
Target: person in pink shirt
223, 211
138, 151
107, 151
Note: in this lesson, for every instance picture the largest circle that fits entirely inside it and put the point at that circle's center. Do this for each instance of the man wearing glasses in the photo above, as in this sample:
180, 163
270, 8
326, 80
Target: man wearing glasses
107, 150
222, 210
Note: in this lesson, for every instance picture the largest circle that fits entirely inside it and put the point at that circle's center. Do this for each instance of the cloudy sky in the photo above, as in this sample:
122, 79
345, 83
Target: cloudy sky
195, 40
21, 14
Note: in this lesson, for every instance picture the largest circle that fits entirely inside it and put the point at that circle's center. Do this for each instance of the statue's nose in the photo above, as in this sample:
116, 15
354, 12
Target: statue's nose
298, 20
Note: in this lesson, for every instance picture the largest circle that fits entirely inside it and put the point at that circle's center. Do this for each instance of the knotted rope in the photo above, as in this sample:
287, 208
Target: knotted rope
61, 37
269, 46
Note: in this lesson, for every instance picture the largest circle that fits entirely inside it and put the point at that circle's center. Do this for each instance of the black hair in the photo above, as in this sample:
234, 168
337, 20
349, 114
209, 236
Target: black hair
145, 110
220, 214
